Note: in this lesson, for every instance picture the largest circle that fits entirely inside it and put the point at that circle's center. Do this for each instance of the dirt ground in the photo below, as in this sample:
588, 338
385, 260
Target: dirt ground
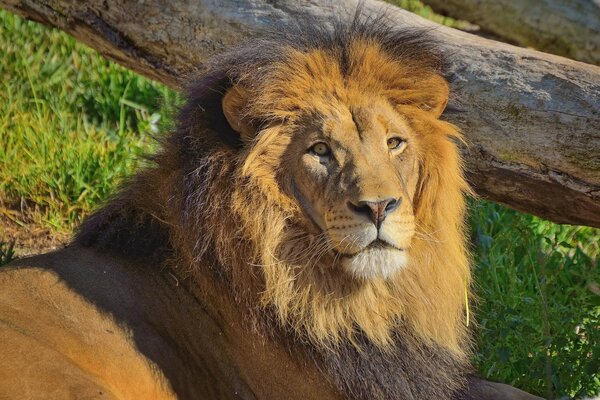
30, 239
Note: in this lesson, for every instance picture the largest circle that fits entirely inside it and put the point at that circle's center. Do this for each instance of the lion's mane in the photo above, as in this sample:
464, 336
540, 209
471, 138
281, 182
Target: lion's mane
211, 201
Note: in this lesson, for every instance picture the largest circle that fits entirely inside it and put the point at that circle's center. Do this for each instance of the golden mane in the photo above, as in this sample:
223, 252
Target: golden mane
220, 195
428, 295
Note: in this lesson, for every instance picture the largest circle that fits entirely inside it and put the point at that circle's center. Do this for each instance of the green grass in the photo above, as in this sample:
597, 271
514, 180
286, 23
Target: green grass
539, 308
417, 7
73, 124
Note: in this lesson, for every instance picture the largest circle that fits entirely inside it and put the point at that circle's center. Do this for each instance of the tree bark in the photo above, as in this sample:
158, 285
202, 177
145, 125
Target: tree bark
570, 28
532, 120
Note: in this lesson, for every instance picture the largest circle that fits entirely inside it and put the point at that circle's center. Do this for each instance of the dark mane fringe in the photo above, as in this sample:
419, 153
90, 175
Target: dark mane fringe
333, 35
125, 226
412, 371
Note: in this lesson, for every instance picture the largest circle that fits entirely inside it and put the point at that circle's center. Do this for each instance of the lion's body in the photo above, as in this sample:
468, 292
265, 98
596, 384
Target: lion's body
299, 235
83, 324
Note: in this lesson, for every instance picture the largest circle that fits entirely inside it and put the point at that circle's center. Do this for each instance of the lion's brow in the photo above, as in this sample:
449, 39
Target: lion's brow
356, 124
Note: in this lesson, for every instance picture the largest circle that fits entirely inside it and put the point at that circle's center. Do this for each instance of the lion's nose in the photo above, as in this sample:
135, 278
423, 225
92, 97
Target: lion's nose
376, 210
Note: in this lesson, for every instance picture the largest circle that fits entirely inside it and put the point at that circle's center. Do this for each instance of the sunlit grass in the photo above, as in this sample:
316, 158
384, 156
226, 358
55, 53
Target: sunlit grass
72, 124
417, 7
7, 252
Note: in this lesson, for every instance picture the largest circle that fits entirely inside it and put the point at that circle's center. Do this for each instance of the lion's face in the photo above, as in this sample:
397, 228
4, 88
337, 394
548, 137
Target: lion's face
353, 169
351, 161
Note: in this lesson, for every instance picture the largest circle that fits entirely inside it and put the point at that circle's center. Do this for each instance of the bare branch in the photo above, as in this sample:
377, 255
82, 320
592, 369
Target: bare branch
570, 28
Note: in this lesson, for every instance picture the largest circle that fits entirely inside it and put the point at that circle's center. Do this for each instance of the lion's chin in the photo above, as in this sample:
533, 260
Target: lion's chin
375, 263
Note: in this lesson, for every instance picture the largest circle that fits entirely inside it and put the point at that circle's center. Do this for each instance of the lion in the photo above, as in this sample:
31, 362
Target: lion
299, 235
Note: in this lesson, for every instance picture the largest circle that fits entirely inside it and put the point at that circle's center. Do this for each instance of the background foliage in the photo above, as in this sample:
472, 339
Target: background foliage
72, 125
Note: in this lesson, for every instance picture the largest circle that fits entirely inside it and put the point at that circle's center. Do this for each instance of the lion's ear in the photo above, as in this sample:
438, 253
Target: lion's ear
435, 95
429, 94
233, 103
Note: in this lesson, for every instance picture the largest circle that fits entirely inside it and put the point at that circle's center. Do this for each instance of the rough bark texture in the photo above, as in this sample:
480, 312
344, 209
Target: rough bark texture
532, 120
569, 28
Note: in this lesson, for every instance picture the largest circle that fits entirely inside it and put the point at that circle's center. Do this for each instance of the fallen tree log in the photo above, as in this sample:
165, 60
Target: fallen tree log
569, 28
532, 120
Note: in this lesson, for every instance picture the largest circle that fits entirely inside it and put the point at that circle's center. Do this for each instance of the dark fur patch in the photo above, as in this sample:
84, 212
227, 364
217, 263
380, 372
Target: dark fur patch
410, 371
124, 227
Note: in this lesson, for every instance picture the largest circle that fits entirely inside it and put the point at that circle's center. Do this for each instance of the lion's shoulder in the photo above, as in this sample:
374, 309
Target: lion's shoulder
69, 278
61, 331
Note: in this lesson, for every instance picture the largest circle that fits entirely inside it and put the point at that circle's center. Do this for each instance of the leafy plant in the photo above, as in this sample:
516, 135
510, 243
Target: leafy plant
7, 252
538, 309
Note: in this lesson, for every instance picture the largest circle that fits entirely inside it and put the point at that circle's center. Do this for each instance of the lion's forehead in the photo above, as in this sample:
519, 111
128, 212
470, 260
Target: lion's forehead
361, 122
320, 80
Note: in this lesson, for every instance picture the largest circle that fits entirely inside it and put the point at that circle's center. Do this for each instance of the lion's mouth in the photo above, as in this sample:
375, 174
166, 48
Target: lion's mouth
375, 244
380, 244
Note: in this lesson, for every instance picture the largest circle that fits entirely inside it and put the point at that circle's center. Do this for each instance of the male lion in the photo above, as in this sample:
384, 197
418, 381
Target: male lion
299, 236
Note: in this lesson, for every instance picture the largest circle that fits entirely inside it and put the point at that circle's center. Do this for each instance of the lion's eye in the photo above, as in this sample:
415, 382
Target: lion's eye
396, 143
320, 149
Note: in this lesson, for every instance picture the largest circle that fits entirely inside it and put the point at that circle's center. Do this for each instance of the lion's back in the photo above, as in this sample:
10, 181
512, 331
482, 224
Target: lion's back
58, 339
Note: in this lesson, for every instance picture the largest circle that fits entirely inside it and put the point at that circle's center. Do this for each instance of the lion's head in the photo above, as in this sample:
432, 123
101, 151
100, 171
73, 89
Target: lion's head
351, 165
312, 171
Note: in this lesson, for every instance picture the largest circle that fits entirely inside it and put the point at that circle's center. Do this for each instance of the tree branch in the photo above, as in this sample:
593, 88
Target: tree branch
532, 120
569, 28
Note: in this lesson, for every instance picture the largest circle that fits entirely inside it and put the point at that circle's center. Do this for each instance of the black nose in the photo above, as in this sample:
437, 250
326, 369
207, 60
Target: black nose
376, 210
